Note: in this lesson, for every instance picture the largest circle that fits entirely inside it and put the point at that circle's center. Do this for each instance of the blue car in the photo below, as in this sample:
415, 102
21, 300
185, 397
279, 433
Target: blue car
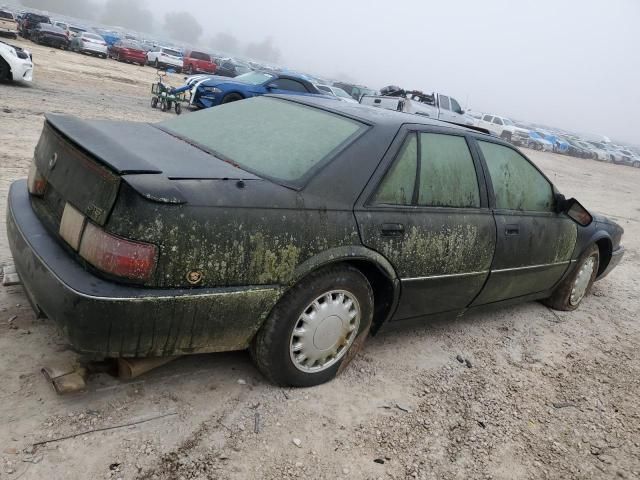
209, 91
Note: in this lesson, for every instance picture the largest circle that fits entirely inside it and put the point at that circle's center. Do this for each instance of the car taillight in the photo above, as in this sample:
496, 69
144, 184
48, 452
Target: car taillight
36, 183
117, 256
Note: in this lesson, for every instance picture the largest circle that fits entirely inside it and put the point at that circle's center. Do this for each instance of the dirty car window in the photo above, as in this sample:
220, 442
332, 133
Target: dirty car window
399, 182
447, 174
516, 183
268, 136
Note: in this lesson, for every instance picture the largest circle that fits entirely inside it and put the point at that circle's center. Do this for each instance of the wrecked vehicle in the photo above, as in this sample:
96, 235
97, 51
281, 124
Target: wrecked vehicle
16, 64
292, 226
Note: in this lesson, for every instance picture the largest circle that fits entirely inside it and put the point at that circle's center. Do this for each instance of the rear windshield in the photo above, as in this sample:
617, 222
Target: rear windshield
6, 15
168, 51
271, 137
200, 56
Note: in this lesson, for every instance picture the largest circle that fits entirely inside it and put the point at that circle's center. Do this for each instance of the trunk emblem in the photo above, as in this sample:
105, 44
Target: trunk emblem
53, 161
194, 277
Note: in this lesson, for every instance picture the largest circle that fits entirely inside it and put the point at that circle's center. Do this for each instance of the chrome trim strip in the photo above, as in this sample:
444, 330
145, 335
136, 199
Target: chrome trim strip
448, 275
532, 267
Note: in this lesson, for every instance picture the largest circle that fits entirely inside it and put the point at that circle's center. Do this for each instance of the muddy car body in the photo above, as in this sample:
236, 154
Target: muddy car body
217, 231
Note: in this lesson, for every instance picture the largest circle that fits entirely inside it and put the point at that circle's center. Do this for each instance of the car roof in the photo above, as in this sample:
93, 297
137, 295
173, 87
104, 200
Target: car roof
371, 115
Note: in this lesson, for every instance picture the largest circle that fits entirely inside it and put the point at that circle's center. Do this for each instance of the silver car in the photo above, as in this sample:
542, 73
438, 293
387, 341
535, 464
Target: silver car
91, 43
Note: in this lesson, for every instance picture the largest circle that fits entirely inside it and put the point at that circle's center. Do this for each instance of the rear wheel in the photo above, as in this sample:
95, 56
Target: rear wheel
154, 102
163, 105
178, 108
309, 333
232, 97
570, 292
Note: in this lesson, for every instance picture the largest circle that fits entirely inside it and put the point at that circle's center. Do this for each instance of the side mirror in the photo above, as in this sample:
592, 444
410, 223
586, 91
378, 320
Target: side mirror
574, 210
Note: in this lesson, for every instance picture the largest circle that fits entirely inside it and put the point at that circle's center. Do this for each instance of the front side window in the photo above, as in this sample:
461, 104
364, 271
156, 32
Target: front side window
444, 102
517, 184
455, 106
269, 136
288, 84
497, 121
399, 182
447, 173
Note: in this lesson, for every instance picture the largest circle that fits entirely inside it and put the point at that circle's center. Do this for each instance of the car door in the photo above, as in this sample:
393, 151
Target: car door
497, 125
444, 106
426, 211
534, 243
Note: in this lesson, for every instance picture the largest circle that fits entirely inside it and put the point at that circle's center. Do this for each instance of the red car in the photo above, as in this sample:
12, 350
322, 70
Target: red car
197, 62
128, 51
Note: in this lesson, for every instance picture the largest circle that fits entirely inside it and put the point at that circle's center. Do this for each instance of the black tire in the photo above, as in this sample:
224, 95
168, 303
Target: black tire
560, 299
232, 97
5, 71
154, 102
270, 348
506, 136
178, 108
163, 105
189, 70
156, 64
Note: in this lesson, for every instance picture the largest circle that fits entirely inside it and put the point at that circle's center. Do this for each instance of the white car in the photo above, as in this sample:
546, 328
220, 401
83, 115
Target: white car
164, 57
337, 92
504, 128
15, 64
86, 42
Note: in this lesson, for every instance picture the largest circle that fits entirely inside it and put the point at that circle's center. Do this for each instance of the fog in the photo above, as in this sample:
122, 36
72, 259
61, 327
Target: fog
571, 64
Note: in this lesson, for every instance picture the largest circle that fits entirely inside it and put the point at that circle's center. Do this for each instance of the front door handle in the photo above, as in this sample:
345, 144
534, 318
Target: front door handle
510, 230
392, 229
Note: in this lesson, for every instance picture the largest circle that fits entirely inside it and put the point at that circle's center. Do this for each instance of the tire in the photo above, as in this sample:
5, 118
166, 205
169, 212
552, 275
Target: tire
189, 70
5, 71
232, 97
506, 136
342, 290
562, 297
156, 64
163, 105
178, 108
154, 102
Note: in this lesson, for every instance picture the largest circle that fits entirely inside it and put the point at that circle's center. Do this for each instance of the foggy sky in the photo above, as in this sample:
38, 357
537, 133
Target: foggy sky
572, 64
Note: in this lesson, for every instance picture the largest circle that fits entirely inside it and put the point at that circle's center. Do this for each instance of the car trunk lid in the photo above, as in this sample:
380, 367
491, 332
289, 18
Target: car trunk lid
84, 163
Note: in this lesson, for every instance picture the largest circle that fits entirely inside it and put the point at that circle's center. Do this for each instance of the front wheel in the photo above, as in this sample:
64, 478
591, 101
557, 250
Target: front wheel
307, 338
178, 108
570, 292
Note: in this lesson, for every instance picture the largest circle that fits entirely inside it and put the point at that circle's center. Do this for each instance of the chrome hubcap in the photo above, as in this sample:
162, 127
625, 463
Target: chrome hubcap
324, 331
582, 281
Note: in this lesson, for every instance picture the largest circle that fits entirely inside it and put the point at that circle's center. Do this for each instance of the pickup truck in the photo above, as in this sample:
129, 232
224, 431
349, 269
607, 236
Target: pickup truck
433, 105
504, 128
8, 24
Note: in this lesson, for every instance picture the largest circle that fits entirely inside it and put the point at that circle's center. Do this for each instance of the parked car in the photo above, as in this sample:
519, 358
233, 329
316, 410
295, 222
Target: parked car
603, 152
356, 91
236, 227
8, 24
15, 64
577, 150
90, 43
432, 105
108, 36
197, 62
537, 141
128, 51
213, 90
232, 68
504, 128
336, 92
626, 157
165, 57
75, 30
48, 34
29, 21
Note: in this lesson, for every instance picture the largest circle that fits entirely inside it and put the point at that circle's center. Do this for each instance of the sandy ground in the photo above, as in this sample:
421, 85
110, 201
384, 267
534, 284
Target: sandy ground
548, 395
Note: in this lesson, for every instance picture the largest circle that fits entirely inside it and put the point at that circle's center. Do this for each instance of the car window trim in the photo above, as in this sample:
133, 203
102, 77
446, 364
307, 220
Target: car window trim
490, 190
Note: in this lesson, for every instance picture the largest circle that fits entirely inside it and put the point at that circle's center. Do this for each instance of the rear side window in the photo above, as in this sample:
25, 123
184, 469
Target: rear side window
447, 173
445, 170
269, 136
497, 121
517, 184
444, 102
455, 106
487, 118
399, 182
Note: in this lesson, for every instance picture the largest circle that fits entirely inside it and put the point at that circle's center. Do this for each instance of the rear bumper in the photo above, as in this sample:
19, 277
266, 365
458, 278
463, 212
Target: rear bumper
616, 257
107, 319
101, 49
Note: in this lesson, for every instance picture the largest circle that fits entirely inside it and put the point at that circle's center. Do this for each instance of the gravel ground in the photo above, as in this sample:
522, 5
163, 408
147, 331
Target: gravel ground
518, 392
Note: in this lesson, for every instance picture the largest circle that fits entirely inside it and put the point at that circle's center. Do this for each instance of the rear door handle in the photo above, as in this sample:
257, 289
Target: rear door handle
512, 230
392, 229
